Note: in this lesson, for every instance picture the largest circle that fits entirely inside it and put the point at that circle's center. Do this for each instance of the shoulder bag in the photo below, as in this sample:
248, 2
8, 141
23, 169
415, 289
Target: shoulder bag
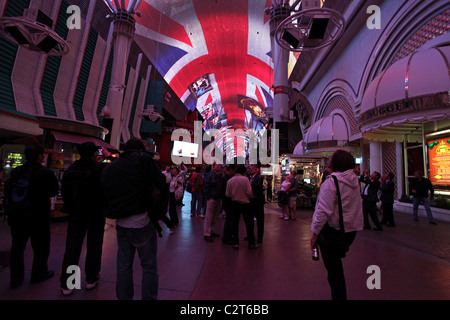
331, 238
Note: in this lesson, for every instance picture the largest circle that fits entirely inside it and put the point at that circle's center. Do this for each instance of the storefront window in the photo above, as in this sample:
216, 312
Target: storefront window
414, 153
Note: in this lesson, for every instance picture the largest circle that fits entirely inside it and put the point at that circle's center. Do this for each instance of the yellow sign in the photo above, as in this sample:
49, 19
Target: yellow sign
13, 160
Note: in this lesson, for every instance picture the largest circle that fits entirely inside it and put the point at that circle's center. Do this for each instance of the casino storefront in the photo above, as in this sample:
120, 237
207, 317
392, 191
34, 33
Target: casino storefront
405, 125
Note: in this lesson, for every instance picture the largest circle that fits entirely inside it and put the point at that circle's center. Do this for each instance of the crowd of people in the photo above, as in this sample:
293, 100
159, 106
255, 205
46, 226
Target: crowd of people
135, 191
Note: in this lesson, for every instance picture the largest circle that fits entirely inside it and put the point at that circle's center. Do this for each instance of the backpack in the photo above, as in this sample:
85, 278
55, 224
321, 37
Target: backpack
157, 200
196, 183
78, 188
17, 195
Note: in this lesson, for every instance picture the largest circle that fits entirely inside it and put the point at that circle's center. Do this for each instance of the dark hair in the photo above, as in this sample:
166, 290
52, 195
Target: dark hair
241, 169
198, 169
341, 161
134, 144
176, 168
231, 167
378, 174
391, 175
87, 149
32, 152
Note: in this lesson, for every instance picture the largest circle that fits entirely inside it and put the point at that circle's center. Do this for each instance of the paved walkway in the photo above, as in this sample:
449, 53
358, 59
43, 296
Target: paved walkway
414, 262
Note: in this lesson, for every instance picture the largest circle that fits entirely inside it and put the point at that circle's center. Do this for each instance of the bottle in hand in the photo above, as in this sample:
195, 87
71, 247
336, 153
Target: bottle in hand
315, 252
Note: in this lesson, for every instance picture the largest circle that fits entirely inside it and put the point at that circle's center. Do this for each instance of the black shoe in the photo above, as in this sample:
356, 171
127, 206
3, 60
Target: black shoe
213, 234
44, 277
367, 228
416, 219
16, 284
253, 246
432, 222
208, 238
227, 241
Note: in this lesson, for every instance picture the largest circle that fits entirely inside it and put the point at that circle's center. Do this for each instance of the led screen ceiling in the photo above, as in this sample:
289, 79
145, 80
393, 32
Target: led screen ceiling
213, 53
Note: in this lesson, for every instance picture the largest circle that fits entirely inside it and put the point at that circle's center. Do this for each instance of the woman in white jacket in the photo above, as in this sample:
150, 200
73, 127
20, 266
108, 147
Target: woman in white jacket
326, 211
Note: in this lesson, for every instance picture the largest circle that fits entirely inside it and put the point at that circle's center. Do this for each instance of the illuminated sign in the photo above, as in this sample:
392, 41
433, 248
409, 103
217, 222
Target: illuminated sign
439, 160
426, 102
13, 160
185, 149
200, 86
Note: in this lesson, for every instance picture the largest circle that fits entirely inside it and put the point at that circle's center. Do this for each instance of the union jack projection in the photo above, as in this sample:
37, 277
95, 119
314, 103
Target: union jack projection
212, 53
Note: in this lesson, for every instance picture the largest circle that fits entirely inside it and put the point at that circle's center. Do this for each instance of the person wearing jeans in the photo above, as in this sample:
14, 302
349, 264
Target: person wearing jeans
419, 188
126, 183
196, 181
213, 195
142, 240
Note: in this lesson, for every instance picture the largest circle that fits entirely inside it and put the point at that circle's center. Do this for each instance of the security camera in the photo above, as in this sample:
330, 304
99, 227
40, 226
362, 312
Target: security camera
295, 86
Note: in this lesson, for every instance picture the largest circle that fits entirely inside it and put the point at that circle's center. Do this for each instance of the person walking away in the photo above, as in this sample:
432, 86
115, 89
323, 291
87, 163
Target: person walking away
292, 194
126, 182
196, 181
327, 212
269, 189
176, 191
257, 202
283, 197
420, 186
204, 176
387, 199
227, 237
212, 190
370, 199
83, 200
27, 206
240, 192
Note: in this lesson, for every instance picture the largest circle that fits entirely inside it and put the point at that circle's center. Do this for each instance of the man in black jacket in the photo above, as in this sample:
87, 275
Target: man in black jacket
387, 199
419, 188
83, 199
32, 222
370, 199
126, 183
212, 190
257, 202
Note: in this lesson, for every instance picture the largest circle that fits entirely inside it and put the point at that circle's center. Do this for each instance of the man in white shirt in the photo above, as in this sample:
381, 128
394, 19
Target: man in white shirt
168, 175
240, 192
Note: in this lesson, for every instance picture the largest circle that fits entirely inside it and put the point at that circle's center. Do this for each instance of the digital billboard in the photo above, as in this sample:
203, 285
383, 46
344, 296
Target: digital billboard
439, 160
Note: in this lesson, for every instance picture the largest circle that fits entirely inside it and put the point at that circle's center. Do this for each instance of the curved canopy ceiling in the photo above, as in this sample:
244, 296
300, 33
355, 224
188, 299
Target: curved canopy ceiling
214, 54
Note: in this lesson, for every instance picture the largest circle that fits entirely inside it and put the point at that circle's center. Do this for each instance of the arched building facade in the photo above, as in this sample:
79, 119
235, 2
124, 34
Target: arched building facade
391, 86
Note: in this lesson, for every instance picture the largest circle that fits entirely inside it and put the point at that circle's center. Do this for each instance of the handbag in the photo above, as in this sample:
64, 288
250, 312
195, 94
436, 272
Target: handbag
283, 198
179, 191
333, 239
189, 187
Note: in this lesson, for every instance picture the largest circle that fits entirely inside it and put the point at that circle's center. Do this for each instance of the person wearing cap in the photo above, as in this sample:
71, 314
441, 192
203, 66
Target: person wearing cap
126, 182
35, 224
83, 199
